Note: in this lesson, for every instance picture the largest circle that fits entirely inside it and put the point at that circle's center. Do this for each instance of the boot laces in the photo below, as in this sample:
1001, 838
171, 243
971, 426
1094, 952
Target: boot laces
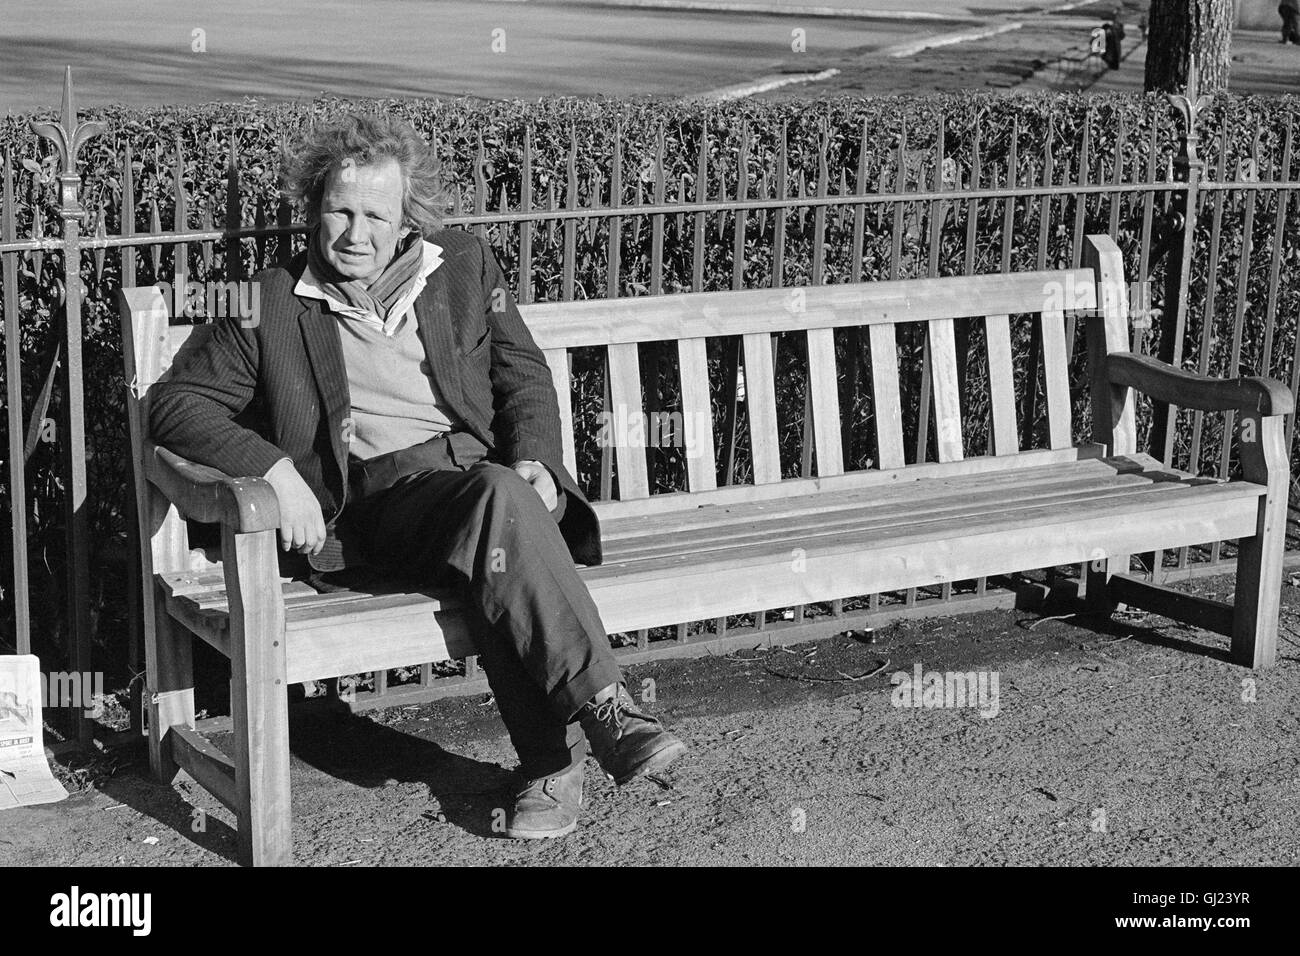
610, 712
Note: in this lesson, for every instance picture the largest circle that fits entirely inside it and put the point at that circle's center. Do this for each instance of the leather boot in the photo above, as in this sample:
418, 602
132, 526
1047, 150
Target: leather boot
625, 741
548, 806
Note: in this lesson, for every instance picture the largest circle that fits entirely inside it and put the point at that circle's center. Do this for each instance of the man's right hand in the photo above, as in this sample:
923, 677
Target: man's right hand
302, 525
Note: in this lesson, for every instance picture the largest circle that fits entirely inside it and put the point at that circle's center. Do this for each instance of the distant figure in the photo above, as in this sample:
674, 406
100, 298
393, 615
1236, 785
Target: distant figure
1115, 34
1290, 11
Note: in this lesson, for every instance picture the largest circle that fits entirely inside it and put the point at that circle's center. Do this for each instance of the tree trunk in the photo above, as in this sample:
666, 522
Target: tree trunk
1179, 29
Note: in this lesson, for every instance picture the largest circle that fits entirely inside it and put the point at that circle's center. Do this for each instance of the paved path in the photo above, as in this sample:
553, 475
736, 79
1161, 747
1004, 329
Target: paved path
124, 51
915, 10
1260, 64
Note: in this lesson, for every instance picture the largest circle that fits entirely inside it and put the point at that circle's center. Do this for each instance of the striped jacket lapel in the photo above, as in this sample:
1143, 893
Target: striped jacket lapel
320, 336
438, 335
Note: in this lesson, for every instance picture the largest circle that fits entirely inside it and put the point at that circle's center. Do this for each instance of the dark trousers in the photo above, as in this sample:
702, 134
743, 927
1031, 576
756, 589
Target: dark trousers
481, 528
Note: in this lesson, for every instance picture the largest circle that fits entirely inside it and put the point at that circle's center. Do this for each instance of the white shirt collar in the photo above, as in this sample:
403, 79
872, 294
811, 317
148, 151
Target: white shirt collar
309, 287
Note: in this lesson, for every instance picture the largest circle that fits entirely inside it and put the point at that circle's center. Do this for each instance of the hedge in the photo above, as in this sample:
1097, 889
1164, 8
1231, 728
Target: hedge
1140, 131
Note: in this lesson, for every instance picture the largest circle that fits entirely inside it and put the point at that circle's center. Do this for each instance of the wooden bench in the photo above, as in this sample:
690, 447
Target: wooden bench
713, 551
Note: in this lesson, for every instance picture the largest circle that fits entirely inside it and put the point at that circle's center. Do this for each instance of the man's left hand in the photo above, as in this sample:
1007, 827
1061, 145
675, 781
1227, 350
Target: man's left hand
537, 475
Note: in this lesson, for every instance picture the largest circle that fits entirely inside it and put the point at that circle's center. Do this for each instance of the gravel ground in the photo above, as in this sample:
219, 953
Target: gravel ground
1128, 741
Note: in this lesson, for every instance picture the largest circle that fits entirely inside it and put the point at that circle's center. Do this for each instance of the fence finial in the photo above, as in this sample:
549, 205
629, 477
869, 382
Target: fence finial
1189, 105
68, 136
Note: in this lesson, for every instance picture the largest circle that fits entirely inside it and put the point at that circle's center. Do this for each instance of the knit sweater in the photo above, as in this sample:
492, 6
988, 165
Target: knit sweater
395, 403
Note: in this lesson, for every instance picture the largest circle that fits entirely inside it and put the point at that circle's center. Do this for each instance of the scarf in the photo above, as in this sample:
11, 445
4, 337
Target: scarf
385, 292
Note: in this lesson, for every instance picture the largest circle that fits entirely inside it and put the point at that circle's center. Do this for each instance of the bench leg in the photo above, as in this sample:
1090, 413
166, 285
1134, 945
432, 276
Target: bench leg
1097, 596
1259, 558
259, 697
169, 674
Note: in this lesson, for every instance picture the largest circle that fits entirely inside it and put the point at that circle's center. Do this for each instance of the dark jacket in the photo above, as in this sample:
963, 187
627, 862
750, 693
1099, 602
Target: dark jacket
286, 368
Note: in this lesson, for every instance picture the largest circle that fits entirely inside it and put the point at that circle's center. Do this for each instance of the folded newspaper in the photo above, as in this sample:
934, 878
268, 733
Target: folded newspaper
25, 776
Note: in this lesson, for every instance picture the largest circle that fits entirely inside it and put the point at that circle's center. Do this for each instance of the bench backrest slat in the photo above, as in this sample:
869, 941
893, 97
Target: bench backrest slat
1056, 379
601, 322
760, 402
557, 360
884, 389
697, 415
1005, 435
824, 392
625, 427
947, 397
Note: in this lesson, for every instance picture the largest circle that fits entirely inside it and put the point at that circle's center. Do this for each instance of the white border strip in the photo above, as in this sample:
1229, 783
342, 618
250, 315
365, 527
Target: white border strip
948, 39
775, 8
762, 85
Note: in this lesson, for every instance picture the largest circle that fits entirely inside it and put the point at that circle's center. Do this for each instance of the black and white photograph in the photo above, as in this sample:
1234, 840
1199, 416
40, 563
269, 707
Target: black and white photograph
652, 433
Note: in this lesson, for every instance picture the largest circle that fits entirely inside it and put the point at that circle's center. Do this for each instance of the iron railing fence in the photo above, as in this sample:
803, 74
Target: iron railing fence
898, 213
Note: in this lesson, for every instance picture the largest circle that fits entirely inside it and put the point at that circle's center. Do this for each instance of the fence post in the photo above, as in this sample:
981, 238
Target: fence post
67, 137
1188, 168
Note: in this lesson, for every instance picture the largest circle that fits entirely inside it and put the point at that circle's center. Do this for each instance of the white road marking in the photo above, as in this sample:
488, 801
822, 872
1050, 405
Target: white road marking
762, 85
914, 47
783, 9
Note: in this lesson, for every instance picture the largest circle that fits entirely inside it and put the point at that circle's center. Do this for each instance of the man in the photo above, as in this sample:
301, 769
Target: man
406, 419
1114, 43
1290, 13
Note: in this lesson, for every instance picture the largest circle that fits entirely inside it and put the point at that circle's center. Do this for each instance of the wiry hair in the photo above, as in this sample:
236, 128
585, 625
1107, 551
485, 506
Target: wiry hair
366, 139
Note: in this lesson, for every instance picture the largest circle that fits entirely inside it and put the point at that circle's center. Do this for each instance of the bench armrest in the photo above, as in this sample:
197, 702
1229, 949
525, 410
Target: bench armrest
1165, 383
206, 494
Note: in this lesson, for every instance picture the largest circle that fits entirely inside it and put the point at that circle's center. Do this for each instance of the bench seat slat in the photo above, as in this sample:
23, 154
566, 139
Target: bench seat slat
193, 582
799, 533
183, 584
1194, 499
648, 593
416, 627
676, 502
296, 594
617, 529
332, 637
868, 520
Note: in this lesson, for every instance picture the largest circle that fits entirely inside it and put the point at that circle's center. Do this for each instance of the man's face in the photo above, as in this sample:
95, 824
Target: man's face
361, 218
